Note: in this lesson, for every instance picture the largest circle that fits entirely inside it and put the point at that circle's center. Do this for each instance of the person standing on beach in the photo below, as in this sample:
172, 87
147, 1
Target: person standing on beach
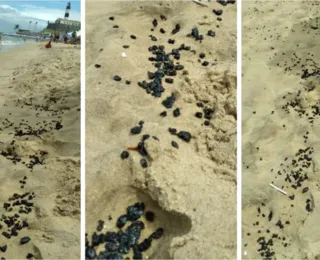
57, 37
74, 35
65, 38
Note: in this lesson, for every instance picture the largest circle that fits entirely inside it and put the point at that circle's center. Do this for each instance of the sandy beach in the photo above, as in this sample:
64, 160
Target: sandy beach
180, 162
281, 129
40, 152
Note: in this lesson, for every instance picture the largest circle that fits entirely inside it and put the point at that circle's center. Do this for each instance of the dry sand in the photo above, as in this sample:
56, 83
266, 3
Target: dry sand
40, 88
192, 190
281, 116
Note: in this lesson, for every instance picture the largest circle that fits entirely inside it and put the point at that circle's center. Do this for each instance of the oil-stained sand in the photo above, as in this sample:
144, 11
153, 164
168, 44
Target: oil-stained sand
281, 129
40, 152
190, 189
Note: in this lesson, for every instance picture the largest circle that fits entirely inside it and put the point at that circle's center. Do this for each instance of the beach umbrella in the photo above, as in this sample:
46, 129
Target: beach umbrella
69, 35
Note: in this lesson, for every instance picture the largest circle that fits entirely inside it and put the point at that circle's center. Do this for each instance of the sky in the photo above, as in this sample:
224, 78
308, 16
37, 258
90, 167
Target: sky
14, 12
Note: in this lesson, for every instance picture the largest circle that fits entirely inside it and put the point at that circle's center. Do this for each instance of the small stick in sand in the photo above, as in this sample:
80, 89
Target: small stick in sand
132, 148
278, 189
200, 3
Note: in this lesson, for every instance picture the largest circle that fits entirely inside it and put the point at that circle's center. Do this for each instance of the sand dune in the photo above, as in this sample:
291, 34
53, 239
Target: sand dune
191, 190
281, 126
40, 152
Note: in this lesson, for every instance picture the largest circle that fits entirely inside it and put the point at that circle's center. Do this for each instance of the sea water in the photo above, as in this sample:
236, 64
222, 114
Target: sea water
8, 42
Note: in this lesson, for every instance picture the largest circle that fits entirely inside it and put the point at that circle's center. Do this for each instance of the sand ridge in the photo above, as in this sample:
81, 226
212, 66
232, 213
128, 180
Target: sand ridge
281, 87
40, 151
193, 185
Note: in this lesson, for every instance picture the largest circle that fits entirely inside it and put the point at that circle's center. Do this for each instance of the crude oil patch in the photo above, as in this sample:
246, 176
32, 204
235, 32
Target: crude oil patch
139, 230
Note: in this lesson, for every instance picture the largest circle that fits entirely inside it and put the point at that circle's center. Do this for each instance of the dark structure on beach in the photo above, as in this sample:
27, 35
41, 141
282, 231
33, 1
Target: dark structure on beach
65, 25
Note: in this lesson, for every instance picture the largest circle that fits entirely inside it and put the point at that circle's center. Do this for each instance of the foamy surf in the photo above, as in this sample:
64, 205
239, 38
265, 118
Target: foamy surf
10, 43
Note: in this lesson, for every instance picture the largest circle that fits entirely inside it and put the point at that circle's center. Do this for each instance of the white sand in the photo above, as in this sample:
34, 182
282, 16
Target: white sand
276, 36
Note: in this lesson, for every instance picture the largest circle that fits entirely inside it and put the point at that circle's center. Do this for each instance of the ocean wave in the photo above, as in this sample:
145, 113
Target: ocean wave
10, 43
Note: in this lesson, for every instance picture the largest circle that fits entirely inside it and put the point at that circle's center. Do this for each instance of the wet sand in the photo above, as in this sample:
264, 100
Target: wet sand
40, 152
281, 129
192, 189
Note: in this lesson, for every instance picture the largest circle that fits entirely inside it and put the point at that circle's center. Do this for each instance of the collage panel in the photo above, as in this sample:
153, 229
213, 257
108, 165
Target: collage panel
39, 130
160, 130
281, 129
161, 119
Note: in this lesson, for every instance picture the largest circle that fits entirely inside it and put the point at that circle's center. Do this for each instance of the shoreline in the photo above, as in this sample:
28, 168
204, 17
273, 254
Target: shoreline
8, 47
24, 45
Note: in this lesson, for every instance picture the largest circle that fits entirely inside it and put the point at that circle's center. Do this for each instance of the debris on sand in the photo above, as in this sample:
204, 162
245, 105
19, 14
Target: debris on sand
127, 239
